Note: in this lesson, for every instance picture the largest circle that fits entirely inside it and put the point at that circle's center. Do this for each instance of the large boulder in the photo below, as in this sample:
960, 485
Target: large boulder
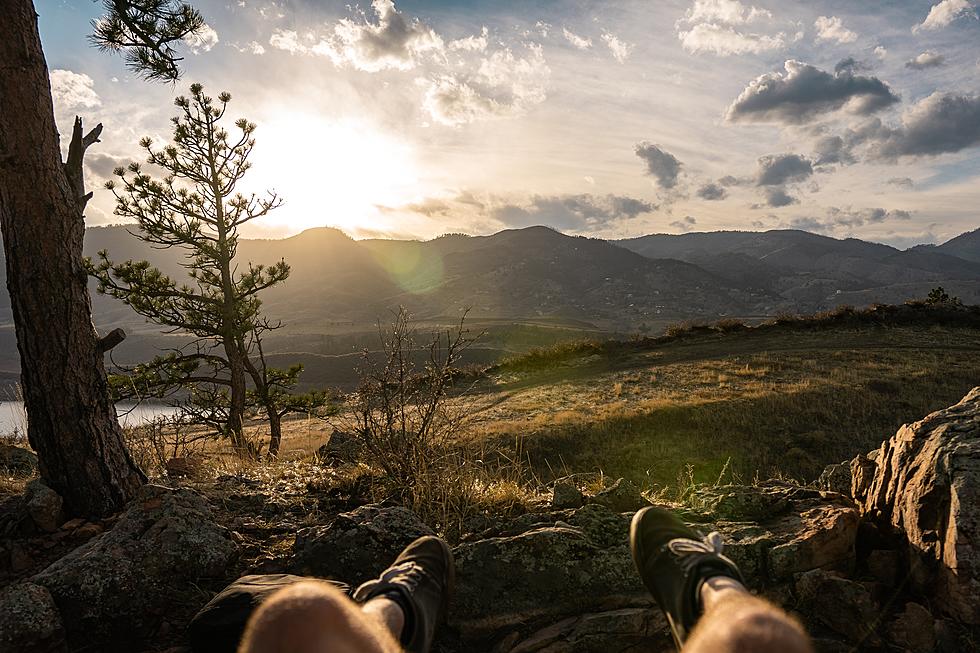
117, 588
545, 574
29, 621
926, 484
357, 545
841, 605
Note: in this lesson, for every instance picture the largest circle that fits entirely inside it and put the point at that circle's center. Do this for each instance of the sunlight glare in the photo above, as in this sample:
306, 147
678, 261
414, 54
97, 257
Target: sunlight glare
334, 173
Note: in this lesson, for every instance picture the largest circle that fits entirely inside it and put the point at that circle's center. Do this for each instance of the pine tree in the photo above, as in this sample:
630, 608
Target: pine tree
71, 419
195, 208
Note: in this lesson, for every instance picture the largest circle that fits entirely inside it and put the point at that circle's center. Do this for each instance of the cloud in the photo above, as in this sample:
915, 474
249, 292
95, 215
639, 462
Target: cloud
928, 59
777, 197
685, 224
579, 212
579, 42
731, 12
620, 49
391, 43
837, 219
832, 149
901, 182
944, 13
804, 92
101, 164
849, 65
881, 51
938, 124
661, 164
471, 43
503, 85
72, 91
202, 40
712, 191
250, 48
831, 28
779, 169
717, 27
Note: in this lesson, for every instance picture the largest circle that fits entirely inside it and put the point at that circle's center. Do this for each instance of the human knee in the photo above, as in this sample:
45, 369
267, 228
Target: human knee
761, 628
297, 618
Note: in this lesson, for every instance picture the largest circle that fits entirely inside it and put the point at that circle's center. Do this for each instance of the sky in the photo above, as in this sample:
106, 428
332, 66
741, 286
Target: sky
413, 119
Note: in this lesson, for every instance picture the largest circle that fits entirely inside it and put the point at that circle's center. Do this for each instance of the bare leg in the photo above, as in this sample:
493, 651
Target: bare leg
314, 617
734, 621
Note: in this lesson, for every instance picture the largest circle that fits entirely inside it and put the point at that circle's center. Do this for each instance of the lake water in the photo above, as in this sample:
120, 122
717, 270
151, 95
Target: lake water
12, 415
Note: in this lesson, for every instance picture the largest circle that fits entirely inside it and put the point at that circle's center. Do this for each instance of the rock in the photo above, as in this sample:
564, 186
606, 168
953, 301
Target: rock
913, 630
545, 574
17, 459
631, 629
44, 505
185, 467
823, 539
621, 496
862, 473
883, 565
357, 545
29, 621
839, 604
836, 478
566, 495
748, 502
218, 626
340, 448
116, 589
927, 485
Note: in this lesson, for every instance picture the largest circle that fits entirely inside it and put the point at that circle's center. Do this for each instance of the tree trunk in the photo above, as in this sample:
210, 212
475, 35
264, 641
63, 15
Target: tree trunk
71, 419
236, 401
275, 431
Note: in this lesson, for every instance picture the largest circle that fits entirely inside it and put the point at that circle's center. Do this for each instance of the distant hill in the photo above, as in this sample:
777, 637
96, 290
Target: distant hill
812, 272
965, 246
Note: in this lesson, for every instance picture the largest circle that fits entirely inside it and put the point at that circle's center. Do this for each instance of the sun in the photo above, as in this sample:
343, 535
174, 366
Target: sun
331, 172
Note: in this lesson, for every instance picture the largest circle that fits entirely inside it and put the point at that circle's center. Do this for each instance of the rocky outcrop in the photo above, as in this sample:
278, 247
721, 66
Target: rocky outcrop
926, 485
357, 545
29, 621
118, 587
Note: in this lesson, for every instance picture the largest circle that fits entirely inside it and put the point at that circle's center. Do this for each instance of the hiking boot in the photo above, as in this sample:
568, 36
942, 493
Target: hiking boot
674, 561
420, 581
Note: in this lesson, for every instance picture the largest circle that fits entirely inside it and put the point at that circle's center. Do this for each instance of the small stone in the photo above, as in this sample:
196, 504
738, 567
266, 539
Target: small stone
836, 478
72, 524
566, 495
44, 506
621, 496
844, 606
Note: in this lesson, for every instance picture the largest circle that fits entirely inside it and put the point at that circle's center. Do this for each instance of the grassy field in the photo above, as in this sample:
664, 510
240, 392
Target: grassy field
754, 403
725, 402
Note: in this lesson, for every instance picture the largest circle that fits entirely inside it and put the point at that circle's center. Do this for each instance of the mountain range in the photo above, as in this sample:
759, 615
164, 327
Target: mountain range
539, 274
538, 278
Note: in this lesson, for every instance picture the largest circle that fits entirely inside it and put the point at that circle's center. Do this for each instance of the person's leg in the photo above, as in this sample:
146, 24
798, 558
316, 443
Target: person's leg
734, 621
702, 593
315, 617
397, 611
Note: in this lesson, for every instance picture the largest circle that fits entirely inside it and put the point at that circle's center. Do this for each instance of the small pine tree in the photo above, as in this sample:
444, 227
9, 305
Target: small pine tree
195, 208
939, 297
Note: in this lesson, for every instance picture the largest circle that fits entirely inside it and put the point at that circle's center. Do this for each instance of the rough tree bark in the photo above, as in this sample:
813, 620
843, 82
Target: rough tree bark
71, 419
